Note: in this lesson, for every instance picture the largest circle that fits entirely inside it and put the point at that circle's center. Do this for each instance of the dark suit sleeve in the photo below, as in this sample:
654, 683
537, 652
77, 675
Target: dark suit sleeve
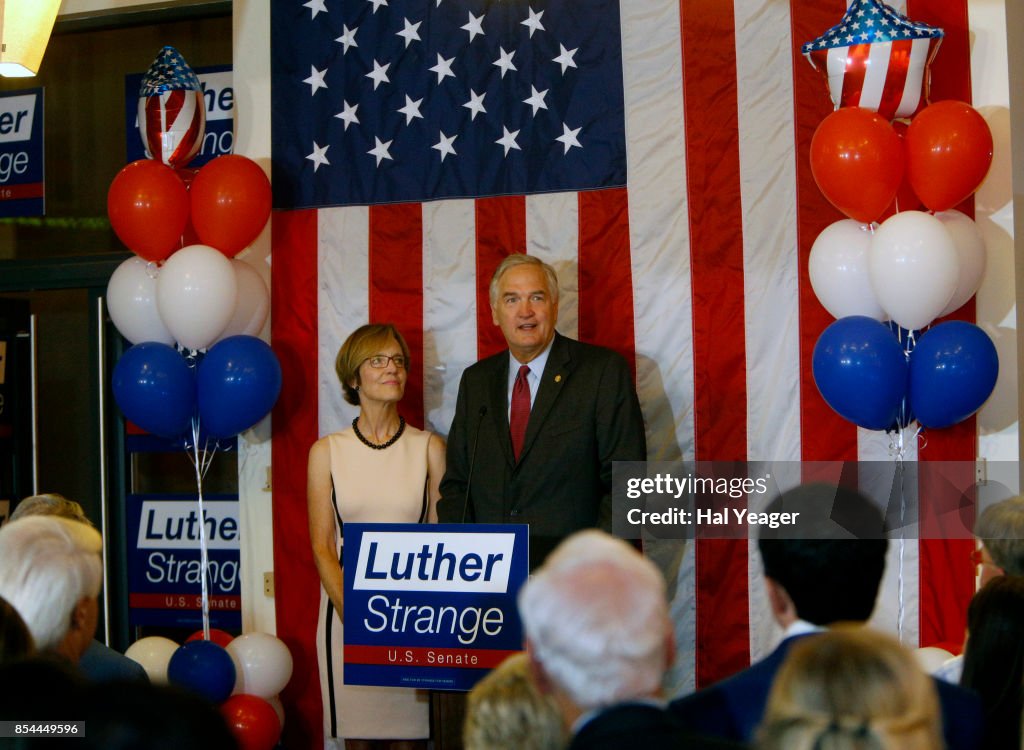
963, 717
453, 485
620, 428
707, 712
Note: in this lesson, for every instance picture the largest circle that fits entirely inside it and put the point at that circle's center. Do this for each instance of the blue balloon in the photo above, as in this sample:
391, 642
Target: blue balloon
239, 380
156, 389
953, 370
861, 371
204, 668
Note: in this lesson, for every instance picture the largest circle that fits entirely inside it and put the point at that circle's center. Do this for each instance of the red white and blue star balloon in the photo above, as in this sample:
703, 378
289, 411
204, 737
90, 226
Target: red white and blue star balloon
876, 58
172, 115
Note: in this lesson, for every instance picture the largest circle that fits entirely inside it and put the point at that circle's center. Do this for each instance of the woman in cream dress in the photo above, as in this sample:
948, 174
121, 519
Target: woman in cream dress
379, 470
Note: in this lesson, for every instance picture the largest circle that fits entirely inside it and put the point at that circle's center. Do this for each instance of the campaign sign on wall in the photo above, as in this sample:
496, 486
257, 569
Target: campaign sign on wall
21, 153
431, 606
219, 96
164, 571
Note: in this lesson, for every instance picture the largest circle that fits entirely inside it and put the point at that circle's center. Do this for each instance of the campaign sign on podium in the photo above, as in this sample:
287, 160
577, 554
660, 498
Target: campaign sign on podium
431, 606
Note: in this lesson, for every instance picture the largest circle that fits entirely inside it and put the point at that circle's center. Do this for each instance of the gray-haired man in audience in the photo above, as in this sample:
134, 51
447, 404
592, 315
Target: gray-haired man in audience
600, 640
51, 573
99, 663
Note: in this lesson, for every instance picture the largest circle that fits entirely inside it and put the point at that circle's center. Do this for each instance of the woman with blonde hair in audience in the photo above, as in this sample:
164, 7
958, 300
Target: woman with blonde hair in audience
851, 688
505, 711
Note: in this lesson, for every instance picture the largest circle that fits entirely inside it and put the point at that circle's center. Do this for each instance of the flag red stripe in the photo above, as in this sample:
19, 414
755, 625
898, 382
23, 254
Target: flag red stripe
824, 435
856, 71
295, 419
396, 289
719, 352
896, 77
605, 272
500, 231
946, 575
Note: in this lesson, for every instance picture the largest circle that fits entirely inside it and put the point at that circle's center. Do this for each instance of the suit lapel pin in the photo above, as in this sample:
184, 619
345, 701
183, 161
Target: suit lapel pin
558, 378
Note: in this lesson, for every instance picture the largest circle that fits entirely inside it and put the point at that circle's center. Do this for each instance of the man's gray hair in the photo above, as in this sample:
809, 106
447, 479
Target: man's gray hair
1000, 528
47, 565
596, 618
520, 259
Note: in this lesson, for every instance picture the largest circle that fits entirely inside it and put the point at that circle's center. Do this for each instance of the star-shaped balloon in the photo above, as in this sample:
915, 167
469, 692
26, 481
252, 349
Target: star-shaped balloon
876, 58
172, 113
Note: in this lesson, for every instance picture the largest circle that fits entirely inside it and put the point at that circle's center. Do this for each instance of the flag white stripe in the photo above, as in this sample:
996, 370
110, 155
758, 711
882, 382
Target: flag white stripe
449, 297
919, 49
876, 71
770, 259
552, 234
343, 239
660, 264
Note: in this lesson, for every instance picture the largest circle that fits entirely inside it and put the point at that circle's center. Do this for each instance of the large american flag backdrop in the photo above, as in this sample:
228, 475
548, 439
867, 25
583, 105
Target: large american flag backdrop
656, 153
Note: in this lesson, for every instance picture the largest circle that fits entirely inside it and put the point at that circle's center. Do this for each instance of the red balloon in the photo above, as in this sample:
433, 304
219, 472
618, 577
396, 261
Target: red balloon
148, 207
857, 161
253, 721
949, 152
220, 637
231, 200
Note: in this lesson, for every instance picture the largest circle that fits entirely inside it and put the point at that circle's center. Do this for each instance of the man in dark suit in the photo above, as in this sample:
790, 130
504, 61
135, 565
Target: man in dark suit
599, 639
817, 574
544, 420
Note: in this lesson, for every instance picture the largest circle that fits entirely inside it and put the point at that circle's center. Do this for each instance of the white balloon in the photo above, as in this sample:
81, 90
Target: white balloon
914, 268
131, 301
275, 703
970, 249
930, 658
838, 267
154, 654
252, 303
263, 664
195, 293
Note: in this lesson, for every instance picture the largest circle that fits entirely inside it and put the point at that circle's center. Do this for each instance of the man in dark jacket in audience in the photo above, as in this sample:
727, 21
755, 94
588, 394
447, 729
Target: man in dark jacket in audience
826, 570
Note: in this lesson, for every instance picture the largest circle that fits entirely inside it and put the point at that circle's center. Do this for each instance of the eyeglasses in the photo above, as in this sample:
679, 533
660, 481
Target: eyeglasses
380, 361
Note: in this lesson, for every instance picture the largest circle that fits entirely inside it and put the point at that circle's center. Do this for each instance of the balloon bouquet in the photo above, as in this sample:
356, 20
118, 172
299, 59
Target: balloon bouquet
196, 371
243, 675
885, 283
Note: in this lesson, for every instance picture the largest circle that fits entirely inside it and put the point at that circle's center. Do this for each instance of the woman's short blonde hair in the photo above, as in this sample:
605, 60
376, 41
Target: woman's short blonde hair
505, 711
362, 344
851, 688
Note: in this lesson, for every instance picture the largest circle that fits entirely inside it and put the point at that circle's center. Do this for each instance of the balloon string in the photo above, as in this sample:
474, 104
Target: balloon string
900, 577
201, 462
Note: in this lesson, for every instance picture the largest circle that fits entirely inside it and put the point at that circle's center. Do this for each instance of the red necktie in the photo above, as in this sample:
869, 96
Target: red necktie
519, 415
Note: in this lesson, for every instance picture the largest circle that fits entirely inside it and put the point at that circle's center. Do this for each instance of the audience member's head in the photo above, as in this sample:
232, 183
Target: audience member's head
994, 658
42, 684
829, 566
51, 573
130, 715
1000, 527
505, 711
851, 688
15, 639
596, 622
49, 504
